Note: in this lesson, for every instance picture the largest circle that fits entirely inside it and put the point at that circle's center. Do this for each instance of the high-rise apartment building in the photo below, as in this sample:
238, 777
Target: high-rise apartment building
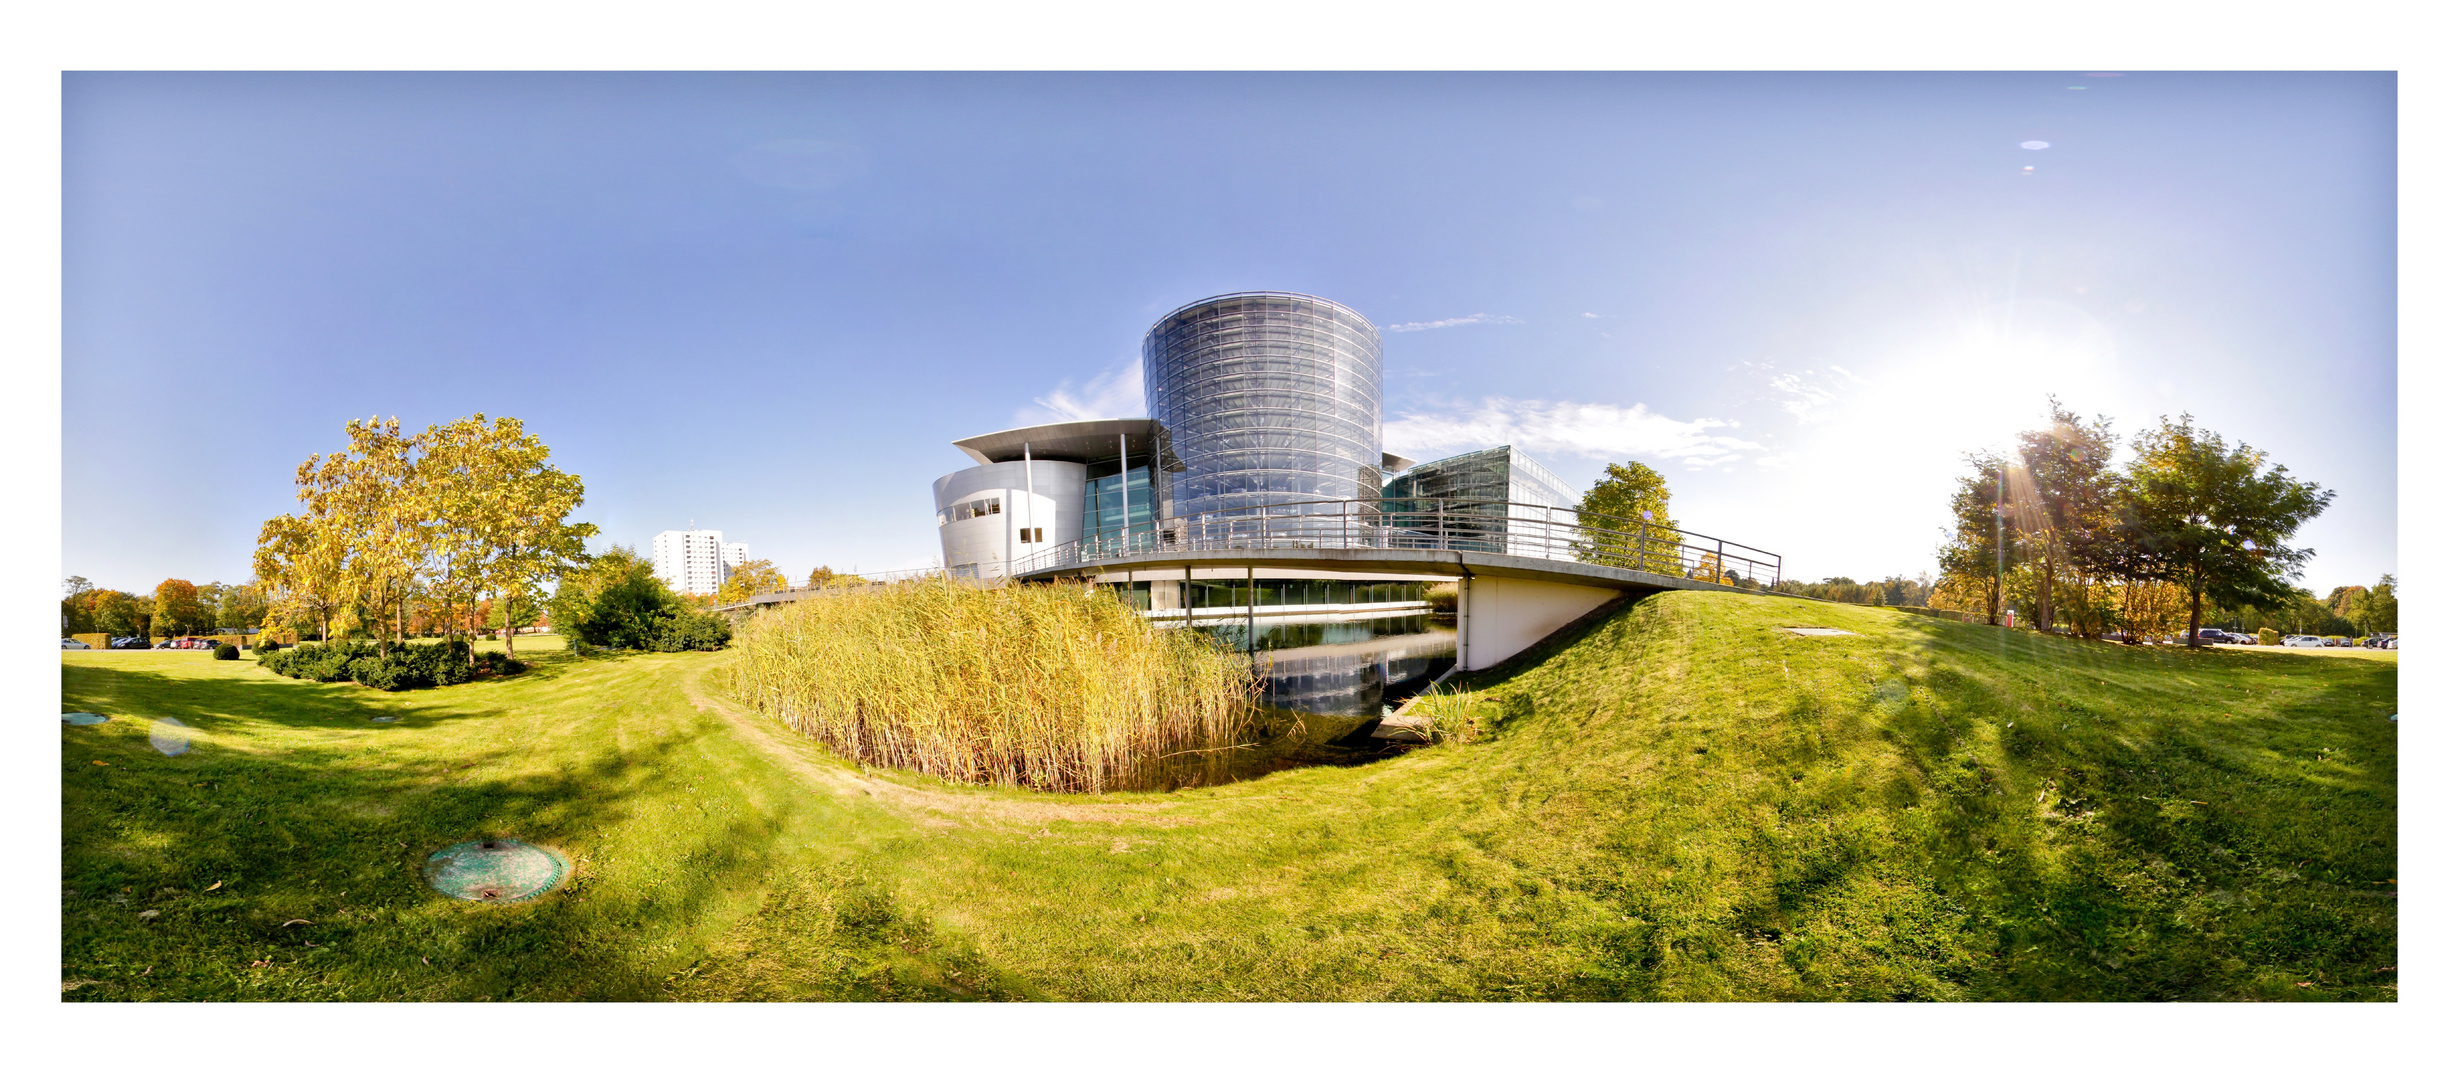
695, 560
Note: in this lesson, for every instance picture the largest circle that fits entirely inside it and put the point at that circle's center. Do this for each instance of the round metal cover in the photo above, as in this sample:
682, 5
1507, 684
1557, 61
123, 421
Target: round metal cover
496, 871
81, 719
169, 736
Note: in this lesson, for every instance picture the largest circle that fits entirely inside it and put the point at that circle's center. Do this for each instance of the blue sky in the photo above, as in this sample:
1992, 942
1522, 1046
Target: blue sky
766, 303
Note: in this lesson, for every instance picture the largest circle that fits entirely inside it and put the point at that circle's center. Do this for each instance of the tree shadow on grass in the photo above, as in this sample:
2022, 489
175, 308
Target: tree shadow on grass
2134, 824
318, 847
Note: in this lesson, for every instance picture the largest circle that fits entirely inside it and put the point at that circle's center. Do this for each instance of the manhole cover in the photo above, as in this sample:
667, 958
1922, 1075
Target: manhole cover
169, 736
82, 719
498, 871
1819, 631
385, 720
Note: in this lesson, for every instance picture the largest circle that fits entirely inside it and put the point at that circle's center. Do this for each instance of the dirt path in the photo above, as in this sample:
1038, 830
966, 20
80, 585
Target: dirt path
988, 807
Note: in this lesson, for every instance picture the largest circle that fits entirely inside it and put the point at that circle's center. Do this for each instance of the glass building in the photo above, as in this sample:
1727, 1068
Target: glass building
1256, 398
1264, 397
1476, 488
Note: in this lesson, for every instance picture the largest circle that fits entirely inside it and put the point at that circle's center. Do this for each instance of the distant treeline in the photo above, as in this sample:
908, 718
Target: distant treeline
1896, 591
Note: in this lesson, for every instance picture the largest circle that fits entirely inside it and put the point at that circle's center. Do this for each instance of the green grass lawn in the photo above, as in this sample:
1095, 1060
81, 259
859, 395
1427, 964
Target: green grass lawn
1687, 803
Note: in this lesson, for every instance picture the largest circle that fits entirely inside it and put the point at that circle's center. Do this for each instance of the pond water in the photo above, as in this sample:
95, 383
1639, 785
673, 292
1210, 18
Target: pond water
1327, 684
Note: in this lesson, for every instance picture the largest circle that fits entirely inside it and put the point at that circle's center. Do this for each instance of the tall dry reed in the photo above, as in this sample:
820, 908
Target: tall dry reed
1055, 688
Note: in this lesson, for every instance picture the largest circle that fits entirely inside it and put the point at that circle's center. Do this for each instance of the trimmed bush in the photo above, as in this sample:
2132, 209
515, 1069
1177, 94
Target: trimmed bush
225, 651
496, 664
2268, 636
409, 667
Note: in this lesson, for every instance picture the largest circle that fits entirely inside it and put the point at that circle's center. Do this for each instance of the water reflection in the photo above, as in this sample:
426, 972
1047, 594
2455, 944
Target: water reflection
1345, 667
1327, 681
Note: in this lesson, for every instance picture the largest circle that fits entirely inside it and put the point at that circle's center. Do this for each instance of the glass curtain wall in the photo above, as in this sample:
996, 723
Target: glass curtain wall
1265, 398
1117, 506
1462, 503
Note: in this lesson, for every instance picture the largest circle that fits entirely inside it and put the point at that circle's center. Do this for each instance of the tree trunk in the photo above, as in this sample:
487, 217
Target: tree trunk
2046, 587
507, 624
2194, 640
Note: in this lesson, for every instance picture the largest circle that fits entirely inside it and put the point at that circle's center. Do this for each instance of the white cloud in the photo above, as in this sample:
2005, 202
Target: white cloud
1437, 324
1803, 399
1112, 394
1565, 428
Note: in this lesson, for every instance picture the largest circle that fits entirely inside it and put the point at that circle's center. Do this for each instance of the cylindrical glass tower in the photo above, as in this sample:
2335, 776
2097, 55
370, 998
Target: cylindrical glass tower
1264, 397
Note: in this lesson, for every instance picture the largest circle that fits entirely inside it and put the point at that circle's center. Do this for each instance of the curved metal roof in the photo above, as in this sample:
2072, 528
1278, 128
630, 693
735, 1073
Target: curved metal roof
1075, 440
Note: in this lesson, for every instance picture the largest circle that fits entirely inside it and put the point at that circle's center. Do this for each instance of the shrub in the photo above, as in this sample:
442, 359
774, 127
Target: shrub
497, 664
689, 631
617, 602
1048, 687
225, 651
2268, 636
380, 673
266, 647
440, 663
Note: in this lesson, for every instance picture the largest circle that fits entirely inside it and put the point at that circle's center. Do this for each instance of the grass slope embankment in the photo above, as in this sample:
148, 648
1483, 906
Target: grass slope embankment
1686, 803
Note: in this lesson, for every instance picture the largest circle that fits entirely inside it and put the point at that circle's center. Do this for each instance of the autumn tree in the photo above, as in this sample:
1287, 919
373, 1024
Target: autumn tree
460, 511
2209, 518
516, 531
1625, 520
298, 564
754, 578
826, 577
176, 609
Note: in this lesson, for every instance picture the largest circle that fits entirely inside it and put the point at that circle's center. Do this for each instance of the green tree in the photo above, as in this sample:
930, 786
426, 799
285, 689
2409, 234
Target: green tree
120, 614
616, 600
2211, 519
2379, 606
1625, 520
241, 607
1979, 547
2063, 496
77, 606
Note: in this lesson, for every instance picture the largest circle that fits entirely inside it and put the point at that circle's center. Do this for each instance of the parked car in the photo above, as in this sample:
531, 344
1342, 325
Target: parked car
72, 643
2210, 635
2300, 641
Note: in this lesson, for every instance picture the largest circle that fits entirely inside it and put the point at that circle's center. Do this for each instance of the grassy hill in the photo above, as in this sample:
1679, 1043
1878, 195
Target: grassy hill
1687, 803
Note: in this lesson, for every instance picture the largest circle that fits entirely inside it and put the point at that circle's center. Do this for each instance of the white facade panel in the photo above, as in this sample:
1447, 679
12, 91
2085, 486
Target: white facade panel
987, 519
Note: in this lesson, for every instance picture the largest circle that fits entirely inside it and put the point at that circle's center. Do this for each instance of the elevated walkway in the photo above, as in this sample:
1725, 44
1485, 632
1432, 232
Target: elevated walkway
1506, 603
1524, 571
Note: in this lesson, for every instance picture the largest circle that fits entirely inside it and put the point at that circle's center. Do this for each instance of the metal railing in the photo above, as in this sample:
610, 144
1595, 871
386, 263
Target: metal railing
1423, 524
